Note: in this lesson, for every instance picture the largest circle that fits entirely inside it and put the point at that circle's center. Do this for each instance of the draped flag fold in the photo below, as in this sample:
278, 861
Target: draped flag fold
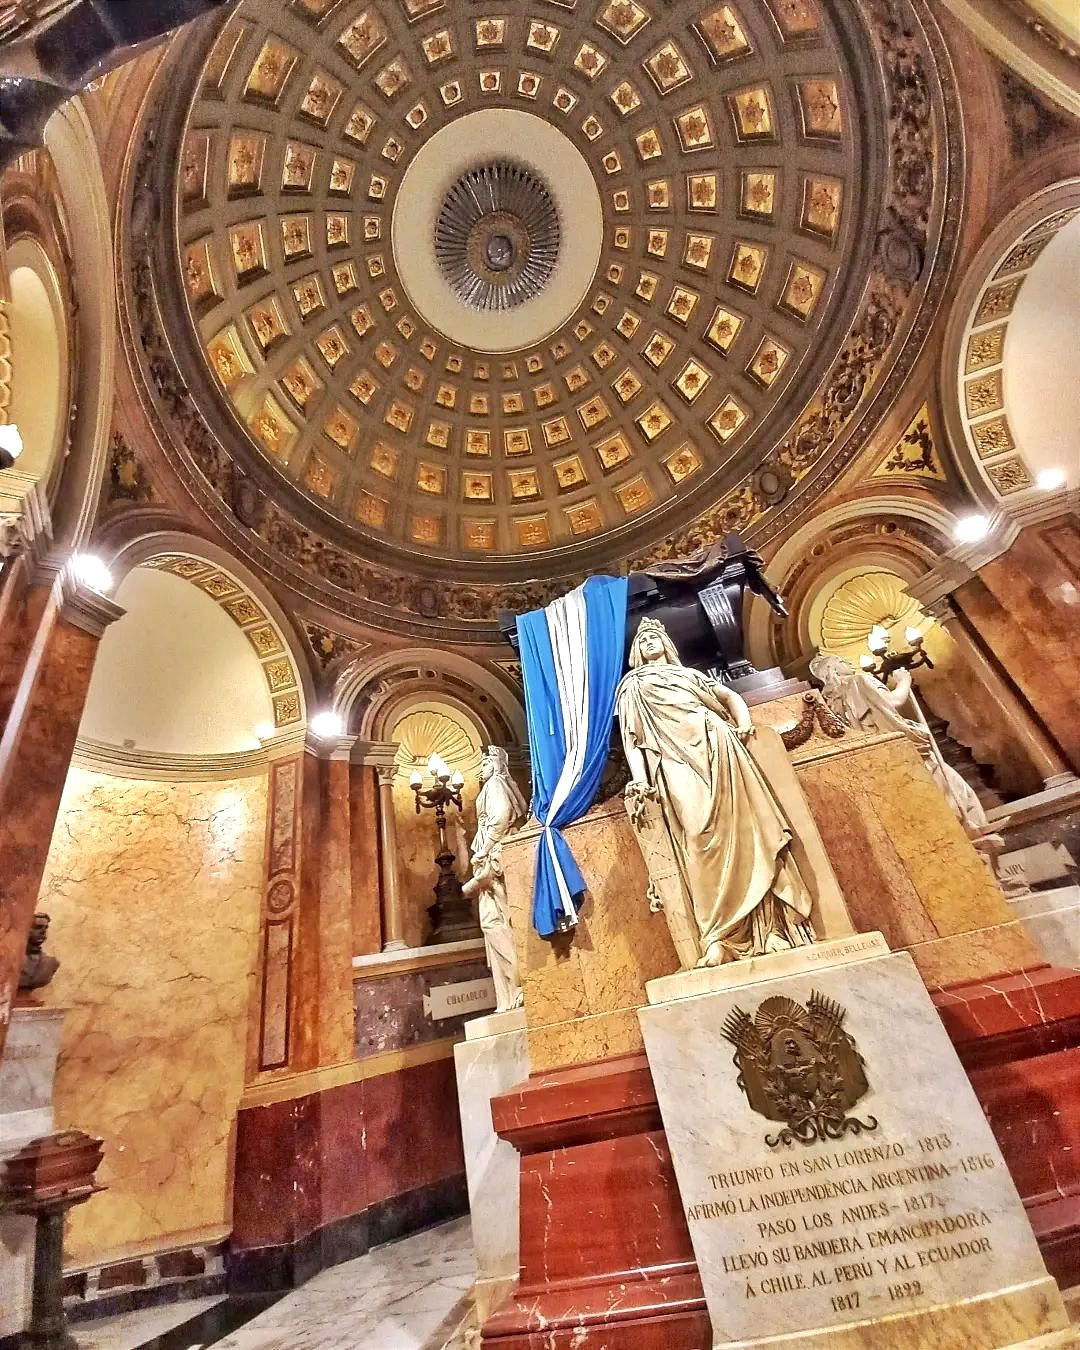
571, 661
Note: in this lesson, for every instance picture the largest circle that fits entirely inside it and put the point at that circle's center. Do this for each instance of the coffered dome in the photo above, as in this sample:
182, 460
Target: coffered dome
498, 283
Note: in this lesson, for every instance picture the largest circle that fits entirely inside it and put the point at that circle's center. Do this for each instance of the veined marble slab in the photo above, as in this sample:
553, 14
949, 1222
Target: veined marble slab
27, 1071
910, 1220
488, 1065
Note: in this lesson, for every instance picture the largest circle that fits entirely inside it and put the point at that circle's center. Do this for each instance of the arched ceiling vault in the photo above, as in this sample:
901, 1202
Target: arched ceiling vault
749, 209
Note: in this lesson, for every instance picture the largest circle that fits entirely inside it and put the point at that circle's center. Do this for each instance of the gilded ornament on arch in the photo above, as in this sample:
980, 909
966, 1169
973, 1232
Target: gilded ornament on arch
757, 194
360, 124
450, 93
682, 464
512, 402
649, 145
199, 273
344, 277
751, 114
361, 320
419, 9
332, 346
694, 128
985, 349
722, 33
438, 435
585, 518
342, 172
272, 429
363, 37
636, 495
593, 412
193, 167
798, 1066
221, 56
796, 18
479, 405
337, 229
993, 437
569, 473
564, 101
623, 19
628, 324
437, 46
376, 267
228, 358
388, 299
915, 454
217, 585
399, 415
668, 68
386, 353
308, 294
646, 286
446, 396
658, 194
415, 380
478, 442
702, 192
1009, 475
544, 395
612, 162
693, 380
286, 708
1022, 256
489, 33
243, 610
625, 98
490, 81
603, 355
656, 243
984, 394
998, 301
729, 418
295, 236
724, 327
528, 84
376, 189
620, 200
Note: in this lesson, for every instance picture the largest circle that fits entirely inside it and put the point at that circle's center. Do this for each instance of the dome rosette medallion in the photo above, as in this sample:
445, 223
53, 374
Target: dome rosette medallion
766, 235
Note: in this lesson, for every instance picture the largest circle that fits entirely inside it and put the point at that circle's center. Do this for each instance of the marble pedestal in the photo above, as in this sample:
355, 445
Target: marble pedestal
901, 1227
493, 1059
26, 1092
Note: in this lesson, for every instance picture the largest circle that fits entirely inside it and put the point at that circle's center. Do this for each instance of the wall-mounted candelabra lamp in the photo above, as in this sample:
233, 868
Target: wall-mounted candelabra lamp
452, 919
885, 661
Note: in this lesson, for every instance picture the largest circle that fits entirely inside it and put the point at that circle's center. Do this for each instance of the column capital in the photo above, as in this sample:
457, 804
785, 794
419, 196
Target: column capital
25, 521
942, 609
329, 747
85, 608
386, 773
375, 753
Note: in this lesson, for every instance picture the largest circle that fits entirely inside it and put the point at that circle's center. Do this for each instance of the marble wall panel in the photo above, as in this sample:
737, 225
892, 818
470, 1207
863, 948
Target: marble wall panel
412, 1129
390, 1009
154, 891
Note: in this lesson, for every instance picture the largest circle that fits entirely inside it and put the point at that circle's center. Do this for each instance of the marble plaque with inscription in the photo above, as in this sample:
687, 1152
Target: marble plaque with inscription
841, 1172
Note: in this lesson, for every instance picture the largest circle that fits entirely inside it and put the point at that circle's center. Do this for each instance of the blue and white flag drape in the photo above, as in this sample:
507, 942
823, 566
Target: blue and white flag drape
571, 660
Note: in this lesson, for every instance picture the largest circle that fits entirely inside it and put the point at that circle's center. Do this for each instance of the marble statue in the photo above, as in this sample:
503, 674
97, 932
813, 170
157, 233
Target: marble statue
500, 808
685, 741
38, 966
861, 700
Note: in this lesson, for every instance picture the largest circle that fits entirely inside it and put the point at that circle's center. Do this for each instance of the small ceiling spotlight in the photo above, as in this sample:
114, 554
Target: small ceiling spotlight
326, 725
1049, 480
91, 571
11, 445
970, 529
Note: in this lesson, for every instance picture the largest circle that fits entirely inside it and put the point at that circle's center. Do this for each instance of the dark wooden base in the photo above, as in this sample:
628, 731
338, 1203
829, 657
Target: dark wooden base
605, 1252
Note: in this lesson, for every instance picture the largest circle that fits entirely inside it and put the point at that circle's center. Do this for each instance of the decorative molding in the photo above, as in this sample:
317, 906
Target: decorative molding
130, 762
381, 964
915, 457
87, 609
307, 1084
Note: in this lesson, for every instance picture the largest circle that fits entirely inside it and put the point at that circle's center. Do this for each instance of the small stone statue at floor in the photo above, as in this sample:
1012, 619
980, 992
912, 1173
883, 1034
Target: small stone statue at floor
861, 700
38, 966
500, 808
716, 841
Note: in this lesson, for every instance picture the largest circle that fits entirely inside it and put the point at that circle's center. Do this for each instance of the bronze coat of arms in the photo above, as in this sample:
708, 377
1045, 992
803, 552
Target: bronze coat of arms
798, 1065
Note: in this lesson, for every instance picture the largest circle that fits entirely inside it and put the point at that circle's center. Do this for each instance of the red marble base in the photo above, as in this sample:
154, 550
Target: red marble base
1018, 1037
606, 1259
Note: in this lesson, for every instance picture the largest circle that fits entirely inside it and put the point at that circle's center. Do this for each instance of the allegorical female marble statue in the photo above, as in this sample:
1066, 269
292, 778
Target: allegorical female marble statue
861, 700
500, 808
685, 741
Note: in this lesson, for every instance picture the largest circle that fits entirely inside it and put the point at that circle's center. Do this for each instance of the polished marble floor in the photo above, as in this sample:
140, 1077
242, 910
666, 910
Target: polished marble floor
408, 1295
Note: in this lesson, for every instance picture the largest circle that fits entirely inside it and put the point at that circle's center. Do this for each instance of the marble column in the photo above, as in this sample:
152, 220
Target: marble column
364, 811
25, 592
1022, 605
1040, 750
393, 917
35, 752
323, 963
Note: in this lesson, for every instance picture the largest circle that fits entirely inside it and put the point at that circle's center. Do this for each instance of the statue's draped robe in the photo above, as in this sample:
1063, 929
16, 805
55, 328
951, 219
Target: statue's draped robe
730, 836
498, 810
